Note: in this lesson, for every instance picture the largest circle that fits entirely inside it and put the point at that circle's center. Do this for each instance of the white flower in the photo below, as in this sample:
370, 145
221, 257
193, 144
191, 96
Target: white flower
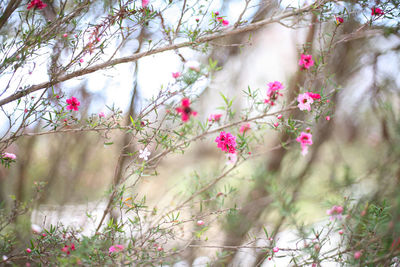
36, 228
5, 258
144, 154
232, 158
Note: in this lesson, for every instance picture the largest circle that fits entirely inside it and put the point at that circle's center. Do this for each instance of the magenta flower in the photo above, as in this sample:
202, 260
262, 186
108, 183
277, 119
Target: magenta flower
176, 75
335, 212
314, 96
214, 117
102, 115
36, 4
9, 156
185, 110
115, 248
306, 61
305, 101
227, 142
273, 92
275, 249
28, 250
376, 11
145, 3
73, 104
305, 140
328, 118
339, 20
225, 22
357, 255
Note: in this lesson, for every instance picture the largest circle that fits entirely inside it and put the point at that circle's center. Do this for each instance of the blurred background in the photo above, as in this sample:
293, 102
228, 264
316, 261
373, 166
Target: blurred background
355, 154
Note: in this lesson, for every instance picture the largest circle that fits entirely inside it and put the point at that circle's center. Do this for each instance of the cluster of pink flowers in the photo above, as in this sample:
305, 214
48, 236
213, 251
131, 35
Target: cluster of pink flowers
227, 142
214, 117
305, 100
273, 92
73, 104
221, 19
36, 4
376, 11
67, 249
9, 156
185, 110
306, 61
335, 212
115, 248
305, 140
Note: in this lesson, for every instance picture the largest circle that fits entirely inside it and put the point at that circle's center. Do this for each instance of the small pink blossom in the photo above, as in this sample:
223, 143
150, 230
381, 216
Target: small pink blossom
328, 118
340, 232
314, 96
145, 3
176, 75
273, 92
232, 158
200, 223
306, 61
28, 250
357, 255
73, 104
214, 117
36, 4
375, 11
276, 124
160, 248
244, 128
65, 35
275, 249
335, 212
227, 142
225, 22
115, 248
102, 115
9, 156
305, 140
216, 13
279, 116
185, 110
339, 20
65, 249
81, 60
305, 101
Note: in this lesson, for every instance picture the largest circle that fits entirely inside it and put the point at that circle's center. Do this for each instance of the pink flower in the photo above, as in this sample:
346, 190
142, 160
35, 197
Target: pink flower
66, 250
306, 61
225, 22
375, 11
176, 75
276, 124
81, 60
73, 104
145, 3
305, 101
28, 250
279, 116
36, 4
73, 246
314, 96
328, 118
335, 212
185, 110
214, 117
339, 20
216, 13
275, 249
9, 156
305, 140
65, 35
232, 158
227, 142
160, 248
102, 115
273, 92
357, 255
200, 222
340, 232
115, 248
244, 128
